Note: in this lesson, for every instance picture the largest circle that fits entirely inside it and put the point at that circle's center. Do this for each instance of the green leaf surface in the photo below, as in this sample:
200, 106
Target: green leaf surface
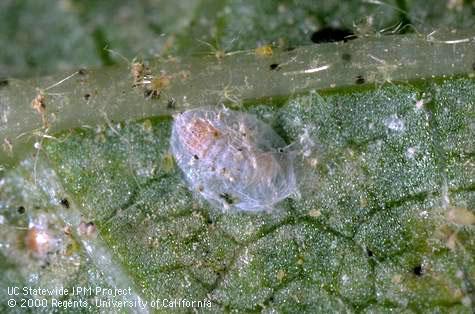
372, 226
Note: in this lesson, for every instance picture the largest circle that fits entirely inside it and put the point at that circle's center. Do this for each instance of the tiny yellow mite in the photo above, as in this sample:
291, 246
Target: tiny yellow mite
264, 51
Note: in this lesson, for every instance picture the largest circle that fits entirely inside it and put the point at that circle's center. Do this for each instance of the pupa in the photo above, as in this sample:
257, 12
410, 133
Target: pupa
232, 159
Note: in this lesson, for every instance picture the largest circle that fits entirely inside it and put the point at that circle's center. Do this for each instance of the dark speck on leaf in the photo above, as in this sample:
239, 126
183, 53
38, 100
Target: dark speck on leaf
3, 82
369, 252
196, 157
64, 202
147, 93
21, 210
87, 96
417, 270
82, 71
346, 57
274, 66
227, 198
360, 80
171, 104
330, 34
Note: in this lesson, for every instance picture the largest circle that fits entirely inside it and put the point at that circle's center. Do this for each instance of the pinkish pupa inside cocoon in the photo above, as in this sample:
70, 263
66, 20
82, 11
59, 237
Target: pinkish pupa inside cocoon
232, 159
